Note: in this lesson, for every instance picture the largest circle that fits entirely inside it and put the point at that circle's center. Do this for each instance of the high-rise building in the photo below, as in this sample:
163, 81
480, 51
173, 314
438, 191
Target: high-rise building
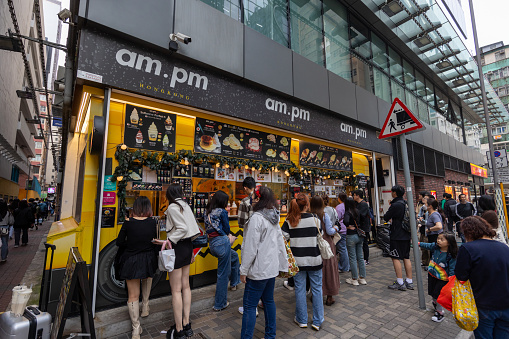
19, 114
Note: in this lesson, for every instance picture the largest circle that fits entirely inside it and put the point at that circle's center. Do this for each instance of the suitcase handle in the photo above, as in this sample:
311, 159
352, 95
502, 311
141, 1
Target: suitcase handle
32, 321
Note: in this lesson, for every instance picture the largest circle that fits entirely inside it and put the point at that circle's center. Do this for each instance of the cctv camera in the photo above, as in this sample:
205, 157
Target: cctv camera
180, 37
64, 14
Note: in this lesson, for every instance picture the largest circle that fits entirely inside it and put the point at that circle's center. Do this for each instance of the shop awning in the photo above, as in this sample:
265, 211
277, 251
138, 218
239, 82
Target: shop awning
427, 31
7, 151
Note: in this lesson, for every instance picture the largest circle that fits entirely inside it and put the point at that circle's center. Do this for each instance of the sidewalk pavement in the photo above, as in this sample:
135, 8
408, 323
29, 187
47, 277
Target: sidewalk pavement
371, 311
20, 261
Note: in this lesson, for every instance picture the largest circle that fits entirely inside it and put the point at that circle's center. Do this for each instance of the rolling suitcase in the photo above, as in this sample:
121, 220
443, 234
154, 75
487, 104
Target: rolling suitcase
34, 324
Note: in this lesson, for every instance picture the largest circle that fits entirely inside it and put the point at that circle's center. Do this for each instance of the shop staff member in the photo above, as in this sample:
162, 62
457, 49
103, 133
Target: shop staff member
246, 205
400, 241
464, 209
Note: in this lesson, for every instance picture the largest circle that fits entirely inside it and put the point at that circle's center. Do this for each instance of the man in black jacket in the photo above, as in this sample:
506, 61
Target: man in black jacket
450, 211
462, 210
399, 240
365, 221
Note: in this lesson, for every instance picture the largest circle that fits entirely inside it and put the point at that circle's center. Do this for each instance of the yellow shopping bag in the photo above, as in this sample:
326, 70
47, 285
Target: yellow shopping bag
463, 306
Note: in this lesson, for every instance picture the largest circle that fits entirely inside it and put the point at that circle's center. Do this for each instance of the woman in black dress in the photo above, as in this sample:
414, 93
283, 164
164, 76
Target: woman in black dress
138, 260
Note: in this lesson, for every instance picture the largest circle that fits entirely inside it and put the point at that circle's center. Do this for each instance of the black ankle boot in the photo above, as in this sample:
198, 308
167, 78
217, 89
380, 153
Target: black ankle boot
188, 330
174, 334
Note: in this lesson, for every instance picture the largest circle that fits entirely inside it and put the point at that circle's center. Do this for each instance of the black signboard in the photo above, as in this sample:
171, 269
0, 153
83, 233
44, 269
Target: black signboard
325, 157
200, 201
108, 217
149, 129
234, 141
131, 66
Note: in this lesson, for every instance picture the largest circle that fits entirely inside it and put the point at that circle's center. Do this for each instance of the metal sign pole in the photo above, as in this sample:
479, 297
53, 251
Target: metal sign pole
413, 225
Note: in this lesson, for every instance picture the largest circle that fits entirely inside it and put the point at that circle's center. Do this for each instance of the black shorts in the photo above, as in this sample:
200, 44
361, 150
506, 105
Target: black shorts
435, 285
400, 249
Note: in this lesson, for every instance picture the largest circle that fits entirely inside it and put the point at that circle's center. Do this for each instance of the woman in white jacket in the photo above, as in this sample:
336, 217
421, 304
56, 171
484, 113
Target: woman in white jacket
263, 257
181, 228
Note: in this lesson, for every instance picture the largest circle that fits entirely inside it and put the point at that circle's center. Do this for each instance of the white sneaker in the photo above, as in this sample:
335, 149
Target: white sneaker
363, 281
352, 281
241, 310
285, 284
300, 325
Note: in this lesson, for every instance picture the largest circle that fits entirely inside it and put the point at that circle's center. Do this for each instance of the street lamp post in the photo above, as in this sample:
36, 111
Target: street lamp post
498, 193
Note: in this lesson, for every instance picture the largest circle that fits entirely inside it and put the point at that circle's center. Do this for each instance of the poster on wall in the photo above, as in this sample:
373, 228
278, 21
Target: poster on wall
278, 177
149, 129
234, 141
108, 217
263, 176
243, 173
227, 174
325, 157
465, 191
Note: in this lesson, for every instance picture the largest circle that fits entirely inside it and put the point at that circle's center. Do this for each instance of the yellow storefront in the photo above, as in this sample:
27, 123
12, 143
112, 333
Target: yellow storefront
77, 229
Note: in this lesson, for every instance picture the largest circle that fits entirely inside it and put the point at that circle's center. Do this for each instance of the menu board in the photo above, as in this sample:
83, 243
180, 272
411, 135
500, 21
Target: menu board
149, 129
325, 157
234, 141
108, 217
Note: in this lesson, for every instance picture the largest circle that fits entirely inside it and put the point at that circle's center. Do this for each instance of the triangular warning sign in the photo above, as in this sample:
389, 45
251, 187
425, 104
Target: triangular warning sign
399, 120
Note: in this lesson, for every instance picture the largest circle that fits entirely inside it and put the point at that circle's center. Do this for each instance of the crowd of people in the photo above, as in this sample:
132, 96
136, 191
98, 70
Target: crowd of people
342, 223
17, 217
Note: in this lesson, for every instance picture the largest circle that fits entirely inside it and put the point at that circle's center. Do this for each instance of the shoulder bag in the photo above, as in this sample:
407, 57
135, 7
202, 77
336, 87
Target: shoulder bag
323, 245
360, 232
464, 308
202, 240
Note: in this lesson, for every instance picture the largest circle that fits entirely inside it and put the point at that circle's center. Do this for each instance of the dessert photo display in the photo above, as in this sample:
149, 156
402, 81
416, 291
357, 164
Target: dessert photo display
149, 129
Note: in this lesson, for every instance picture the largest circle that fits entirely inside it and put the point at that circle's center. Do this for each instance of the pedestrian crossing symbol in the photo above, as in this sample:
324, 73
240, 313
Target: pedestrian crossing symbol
399, 120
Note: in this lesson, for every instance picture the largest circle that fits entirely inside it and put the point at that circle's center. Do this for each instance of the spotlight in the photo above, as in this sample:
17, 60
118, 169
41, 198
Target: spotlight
64, 15
392, 8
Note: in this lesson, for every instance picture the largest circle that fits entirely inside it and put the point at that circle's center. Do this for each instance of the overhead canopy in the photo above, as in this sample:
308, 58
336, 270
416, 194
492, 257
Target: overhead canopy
427, 31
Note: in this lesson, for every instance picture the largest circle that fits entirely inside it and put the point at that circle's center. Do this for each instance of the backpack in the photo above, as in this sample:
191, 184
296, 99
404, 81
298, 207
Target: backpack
405, 223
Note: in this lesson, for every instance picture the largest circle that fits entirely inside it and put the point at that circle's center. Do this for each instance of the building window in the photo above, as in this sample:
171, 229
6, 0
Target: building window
337, 48
361, 46
43, 108
500, 55
15, 173
38, 144
38, 157
228, 7
306, 30
269, 17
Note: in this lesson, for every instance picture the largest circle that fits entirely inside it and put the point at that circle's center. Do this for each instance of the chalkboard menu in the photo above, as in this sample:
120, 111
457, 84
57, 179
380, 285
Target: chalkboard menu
149, 129
234, 141
108, 217
325, 157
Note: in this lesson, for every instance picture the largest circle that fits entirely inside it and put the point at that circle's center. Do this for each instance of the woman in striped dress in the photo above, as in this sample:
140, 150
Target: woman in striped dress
301, 229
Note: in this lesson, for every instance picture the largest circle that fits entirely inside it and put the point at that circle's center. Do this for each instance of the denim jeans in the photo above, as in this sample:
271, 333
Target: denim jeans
254, 291
17, 234
344, 263
228, 268
356, 256
492, 324
301, 307
5, 246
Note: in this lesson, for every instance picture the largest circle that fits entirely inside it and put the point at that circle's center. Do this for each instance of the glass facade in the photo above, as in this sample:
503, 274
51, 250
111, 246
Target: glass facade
326, 33
269, 17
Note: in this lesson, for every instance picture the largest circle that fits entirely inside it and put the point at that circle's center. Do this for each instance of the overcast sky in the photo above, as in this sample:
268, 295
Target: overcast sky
492, 18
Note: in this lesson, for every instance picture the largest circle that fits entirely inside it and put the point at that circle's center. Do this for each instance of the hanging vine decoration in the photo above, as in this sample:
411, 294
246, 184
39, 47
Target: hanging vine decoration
129, 158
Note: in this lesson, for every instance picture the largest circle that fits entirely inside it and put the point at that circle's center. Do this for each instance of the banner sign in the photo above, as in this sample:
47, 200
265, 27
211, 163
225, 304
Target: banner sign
132, 67
234, 141
479, 171
325, 157
149, 129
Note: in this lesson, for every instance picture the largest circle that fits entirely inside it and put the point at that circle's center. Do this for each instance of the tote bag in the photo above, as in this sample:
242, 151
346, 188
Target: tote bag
293, 269
323, 245
463, 306
166, 260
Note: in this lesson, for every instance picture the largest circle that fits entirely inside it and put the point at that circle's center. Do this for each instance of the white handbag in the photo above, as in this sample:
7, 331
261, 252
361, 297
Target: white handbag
323, 245
166, 260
